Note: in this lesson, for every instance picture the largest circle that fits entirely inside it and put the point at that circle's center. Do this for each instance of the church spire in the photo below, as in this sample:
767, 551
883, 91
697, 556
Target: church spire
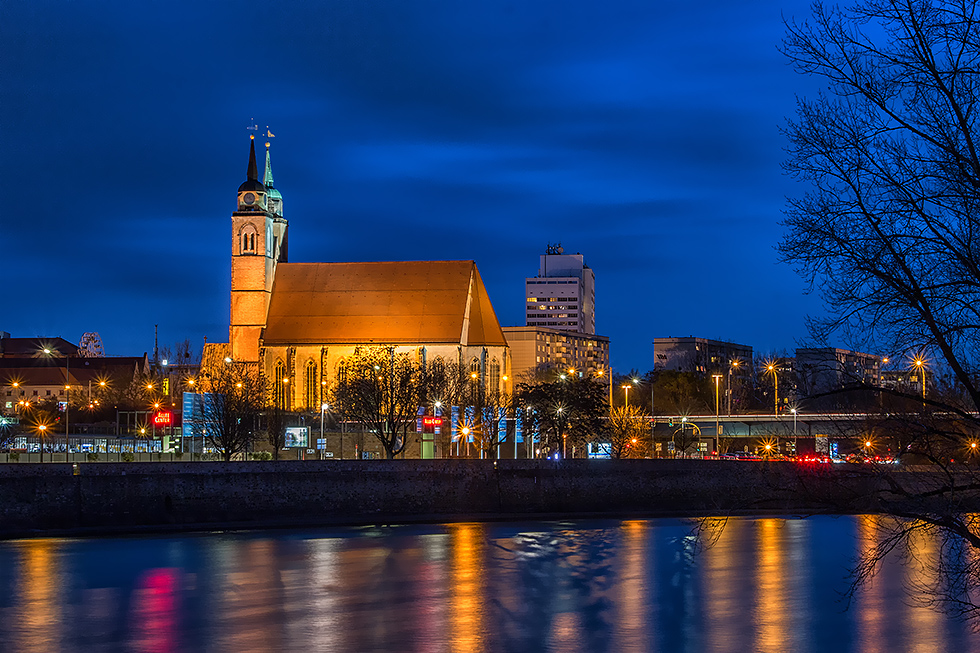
253, 170
267, 179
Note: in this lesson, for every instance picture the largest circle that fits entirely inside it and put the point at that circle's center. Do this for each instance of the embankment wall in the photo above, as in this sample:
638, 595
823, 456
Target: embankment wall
111, 497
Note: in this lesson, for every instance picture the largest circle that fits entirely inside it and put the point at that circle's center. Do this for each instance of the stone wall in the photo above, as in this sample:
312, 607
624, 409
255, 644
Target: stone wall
98, 497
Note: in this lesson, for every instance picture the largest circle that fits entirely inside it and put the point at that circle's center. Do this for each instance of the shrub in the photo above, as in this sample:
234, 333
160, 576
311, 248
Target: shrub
13, 456
128, 457
262, 455
92, 457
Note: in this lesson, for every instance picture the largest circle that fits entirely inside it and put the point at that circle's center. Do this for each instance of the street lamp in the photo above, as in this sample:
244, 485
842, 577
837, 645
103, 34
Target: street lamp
42, 430
717, 378
561, 429
771, 368
920, 364
323, 410
728, 390
626, 387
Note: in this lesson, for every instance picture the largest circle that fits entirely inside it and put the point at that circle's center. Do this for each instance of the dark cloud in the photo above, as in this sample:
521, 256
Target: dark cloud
642, 134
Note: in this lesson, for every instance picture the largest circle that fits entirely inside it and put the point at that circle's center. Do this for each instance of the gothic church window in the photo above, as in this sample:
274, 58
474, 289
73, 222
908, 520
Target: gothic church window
279, 391
312, 387
493, 383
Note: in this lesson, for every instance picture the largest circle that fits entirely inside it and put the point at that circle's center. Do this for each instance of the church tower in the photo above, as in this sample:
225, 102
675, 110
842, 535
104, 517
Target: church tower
258, 244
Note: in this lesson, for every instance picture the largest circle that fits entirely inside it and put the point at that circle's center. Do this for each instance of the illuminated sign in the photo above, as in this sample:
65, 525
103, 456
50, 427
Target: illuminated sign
297, 437
163, 418
432, 421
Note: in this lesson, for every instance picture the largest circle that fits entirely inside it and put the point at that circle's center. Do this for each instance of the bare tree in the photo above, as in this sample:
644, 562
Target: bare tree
889, 233
234, 395
275, 427
629, 432
383, 390
568, 411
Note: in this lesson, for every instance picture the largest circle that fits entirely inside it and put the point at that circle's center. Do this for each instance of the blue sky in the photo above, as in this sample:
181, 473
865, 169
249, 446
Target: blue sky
644, 135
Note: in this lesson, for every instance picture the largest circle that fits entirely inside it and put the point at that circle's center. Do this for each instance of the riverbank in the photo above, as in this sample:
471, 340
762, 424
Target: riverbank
93, 498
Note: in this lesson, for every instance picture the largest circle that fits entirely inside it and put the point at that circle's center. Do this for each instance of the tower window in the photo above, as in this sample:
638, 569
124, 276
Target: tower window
248, 240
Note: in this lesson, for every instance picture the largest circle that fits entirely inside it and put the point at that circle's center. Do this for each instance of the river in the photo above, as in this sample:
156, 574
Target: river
756, 584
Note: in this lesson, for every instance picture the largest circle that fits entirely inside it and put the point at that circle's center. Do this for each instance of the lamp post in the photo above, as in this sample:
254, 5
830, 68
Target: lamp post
717, 378
561, 429
920, 364
436, 408
626, 387
323, 410
771, 368
41, 431
734, 365
49, 352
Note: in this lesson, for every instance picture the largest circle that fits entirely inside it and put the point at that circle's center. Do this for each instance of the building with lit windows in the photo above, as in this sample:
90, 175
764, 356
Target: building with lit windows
562, 296
539, 349
701, 356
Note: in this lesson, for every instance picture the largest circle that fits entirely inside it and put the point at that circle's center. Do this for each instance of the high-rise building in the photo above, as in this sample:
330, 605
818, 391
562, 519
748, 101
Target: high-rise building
562, 296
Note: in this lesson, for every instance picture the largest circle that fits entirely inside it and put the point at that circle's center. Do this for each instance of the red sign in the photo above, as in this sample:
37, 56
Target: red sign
163, 418
432, 421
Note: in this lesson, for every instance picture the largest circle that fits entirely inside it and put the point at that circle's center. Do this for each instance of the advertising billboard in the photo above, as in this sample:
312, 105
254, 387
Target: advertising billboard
297, 437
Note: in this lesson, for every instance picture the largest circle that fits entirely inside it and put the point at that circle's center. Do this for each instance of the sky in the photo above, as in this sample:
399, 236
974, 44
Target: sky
643, 134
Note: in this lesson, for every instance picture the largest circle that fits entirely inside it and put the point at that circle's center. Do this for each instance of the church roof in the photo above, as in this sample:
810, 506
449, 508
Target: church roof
415, 302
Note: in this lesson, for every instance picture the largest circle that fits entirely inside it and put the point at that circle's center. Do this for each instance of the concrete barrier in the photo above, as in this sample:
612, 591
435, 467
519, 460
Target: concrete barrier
107, 497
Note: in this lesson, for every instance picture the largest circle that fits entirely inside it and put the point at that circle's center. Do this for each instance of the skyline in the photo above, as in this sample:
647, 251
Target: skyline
645, 138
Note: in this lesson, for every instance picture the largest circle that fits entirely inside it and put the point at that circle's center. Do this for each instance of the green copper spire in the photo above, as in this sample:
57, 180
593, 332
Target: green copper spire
267, 180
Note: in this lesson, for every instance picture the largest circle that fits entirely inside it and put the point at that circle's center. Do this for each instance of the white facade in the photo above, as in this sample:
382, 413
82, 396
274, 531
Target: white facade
562, 296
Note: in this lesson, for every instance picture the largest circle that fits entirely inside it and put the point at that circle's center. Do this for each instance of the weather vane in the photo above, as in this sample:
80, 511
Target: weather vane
252, 127
268, 132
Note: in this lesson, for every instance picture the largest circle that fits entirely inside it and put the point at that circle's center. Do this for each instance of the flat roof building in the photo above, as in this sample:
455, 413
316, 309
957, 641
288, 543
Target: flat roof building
538, 349
701, 355
562, 296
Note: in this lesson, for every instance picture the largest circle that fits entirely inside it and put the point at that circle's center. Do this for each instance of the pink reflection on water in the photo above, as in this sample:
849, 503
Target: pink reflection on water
154, 615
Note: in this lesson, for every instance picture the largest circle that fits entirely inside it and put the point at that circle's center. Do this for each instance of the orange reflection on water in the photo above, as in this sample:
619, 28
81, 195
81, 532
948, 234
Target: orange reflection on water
251, 610
633, 601
37, 611
467, 589
870, 601
771, 582
924, 627
724, 584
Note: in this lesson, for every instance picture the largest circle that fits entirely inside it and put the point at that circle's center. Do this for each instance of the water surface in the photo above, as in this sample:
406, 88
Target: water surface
763, 584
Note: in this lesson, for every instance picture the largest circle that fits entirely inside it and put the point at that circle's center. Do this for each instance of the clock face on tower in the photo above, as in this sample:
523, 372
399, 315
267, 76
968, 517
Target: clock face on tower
249, 198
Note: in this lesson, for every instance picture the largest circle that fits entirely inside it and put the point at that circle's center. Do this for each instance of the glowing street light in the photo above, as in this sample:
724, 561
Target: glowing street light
717, 378
626, 387
728, 389
920, 364
771, 368
42, 430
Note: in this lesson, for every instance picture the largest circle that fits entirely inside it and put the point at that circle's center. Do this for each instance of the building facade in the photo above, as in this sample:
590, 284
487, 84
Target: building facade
562, 296
538, 349
825, 369
702, 356
300, 321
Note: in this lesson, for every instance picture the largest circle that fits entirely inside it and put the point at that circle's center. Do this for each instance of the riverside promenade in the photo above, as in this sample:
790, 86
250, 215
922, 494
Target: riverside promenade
95, 498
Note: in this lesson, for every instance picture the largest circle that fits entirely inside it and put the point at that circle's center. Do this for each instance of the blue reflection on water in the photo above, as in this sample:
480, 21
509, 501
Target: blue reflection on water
748, 584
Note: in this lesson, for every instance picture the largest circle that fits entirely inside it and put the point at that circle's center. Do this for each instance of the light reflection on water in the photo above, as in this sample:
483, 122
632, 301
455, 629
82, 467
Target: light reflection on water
764, 584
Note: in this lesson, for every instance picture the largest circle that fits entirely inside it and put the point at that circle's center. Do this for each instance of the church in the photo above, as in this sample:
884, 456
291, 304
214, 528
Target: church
300, 321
